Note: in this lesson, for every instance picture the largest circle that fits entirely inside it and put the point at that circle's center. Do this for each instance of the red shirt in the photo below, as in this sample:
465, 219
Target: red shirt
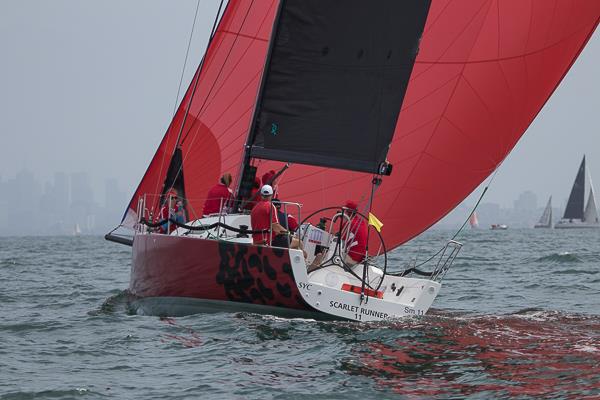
358, 227
216, 197
262, 216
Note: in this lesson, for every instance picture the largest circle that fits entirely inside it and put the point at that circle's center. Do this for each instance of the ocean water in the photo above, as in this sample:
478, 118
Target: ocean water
518, 317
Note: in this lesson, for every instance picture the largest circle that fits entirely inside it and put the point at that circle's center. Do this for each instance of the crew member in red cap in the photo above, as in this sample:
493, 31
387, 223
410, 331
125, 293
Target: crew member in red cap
267, 179
357, 244
218, 195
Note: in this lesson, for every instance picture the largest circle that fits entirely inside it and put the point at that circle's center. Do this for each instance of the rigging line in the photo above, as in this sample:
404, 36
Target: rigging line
200, 68
217, 77
214, 83
179, 87
187, 52
165, 137
195, 86
466, 220
207, 103
450, 99
210, 91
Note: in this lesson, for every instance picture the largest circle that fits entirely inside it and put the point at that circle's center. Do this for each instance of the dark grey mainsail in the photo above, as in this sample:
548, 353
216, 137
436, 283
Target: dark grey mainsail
335, 80
574, 208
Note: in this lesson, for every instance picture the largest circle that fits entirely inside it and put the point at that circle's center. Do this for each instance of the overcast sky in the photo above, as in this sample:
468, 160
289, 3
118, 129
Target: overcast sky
90, 86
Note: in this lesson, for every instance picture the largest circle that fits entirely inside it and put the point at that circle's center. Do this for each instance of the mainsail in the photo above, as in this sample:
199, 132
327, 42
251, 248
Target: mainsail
335, 81
484, 70
574, 208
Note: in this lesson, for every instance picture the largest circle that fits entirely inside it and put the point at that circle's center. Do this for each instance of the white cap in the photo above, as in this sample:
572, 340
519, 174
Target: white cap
266, 190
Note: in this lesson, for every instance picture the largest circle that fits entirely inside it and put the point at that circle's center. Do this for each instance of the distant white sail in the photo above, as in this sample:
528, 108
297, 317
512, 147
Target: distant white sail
473, 220
546, 218
590, 214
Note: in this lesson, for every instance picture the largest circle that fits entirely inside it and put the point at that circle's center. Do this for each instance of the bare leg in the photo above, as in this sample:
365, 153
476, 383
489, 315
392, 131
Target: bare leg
350, 261
316, 263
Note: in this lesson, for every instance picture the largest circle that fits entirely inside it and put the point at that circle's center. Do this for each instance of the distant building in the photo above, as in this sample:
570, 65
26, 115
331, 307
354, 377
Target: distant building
527, 202
114, 197
82, 200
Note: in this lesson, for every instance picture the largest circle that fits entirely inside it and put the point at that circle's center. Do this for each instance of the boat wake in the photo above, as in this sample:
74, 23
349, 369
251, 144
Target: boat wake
120, 302
531, 352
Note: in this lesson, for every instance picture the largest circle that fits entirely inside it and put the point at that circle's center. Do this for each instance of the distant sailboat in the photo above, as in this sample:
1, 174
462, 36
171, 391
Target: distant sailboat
76, 230
473, 220
576, 216
546, 218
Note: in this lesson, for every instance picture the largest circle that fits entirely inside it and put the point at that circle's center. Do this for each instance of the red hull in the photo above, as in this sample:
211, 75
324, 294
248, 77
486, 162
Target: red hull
176, 266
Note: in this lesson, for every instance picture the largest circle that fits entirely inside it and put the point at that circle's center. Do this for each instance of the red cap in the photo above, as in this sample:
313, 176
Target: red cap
267, 177
351, 204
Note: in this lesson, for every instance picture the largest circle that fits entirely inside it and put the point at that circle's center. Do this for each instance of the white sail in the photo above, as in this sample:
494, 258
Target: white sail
546, 218
590, 214
473, 221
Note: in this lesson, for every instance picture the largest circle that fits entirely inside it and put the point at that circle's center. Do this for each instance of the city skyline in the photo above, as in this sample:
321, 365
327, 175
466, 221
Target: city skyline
65, 205
70, 201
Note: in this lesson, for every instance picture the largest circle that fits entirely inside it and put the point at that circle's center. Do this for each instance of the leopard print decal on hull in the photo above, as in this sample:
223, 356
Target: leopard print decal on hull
258, 275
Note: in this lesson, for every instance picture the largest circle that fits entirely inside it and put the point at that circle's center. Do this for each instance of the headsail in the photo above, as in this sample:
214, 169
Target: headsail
574, 208
221, 107
484, 70
591, 213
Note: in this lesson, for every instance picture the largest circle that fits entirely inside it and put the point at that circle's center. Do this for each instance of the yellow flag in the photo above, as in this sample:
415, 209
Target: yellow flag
377, 224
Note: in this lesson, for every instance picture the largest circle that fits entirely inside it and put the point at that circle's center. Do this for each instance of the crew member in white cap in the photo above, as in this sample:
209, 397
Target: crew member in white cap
264, 217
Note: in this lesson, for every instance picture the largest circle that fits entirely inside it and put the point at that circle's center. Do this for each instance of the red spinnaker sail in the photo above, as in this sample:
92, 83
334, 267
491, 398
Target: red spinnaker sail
484, 71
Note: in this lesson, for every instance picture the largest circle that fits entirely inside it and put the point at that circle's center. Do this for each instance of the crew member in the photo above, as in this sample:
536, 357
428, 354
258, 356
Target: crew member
264, 217
169, 210
218, 196
268, 179
357, 244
